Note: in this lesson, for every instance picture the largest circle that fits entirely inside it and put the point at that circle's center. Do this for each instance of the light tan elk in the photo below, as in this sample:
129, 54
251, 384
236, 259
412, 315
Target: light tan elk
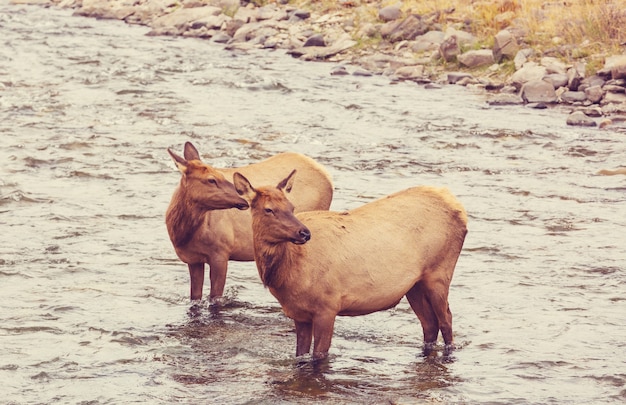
203, 229
359, 261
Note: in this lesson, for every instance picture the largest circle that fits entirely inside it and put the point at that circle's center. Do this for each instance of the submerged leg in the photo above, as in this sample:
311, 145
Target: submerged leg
196, 275
217, 274
304, 336
323, 327
423, 309
436, 290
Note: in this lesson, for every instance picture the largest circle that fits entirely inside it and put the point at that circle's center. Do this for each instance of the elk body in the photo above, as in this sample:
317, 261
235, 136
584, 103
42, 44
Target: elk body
359, 261
203, 228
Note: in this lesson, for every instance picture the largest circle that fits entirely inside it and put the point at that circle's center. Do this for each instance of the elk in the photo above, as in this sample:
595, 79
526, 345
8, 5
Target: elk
204, 229
319, 265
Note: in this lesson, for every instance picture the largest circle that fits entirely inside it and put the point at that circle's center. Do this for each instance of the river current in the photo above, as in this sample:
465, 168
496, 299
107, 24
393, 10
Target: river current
94, 304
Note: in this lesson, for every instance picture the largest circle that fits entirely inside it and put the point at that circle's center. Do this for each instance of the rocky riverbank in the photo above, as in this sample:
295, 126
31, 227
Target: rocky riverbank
392, 42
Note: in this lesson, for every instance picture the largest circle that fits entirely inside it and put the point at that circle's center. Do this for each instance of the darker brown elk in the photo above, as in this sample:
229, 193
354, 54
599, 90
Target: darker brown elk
359, 261
204, 227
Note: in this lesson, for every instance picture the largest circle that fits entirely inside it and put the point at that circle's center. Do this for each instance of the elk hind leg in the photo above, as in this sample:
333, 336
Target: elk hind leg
420, 304
436, 290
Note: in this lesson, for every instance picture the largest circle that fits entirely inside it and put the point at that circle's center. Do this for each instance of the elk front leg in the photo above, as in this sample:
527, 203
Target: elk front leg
196, 276
323, 327
217, 273
304, 336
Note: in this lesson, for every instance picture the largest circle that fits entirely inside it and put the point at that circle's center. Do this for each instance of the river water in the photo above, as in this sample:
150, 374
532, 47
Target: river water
94, 304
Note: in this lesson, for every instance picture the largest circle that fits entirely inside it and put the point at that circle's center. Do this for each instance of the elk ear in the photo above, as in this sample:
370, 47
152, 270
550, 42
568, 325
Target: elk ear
287, 184
191, 153
181, 163
243, 187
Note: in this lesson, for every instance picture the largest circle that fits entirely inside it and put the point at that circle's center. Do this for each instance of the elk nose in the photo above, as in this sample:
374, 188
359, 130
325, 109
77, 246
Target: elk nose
242, 205
305, 234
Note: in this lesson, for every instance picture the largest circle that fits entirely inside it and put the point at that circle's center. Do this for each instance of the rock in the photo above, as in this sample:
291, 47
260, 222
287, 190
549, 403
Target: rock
407, 29
455, 77
538, 91
300, 14
103, 9
463, 38
537, 106
530, 71
251, 31
505, 46
178, 21
594, 94
323, 52
575, 76
614, 98
410, 72
362, 72
315, 40
449, 48
466, 81
613, 88
572, 97
473, 59
594, 80
557, 79
521, 57
367, 30
339, 70
617, 66
593, 112
613, 108
221, 38
553, 65
214, 22
505, 99
432, 86
270, 12
578, 118
390, 13
430, 41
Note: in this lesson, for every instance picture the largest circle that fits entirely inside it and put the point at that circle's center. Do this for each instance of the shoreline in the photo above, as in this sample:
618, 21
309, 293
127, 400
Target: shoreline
407, 48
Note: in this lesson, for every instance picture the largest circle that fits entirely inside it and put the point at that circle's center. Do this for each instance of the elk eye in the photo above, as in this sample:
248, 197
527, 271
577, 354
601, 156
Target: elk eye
211, 181
269, 211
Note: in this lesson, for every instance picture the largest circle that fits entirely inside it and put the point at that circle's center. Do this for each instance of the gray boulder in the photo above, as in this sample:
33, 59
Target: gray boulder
538, 91
594, 93
529, 72
473, 59
430, 41
572, 97
449, 48
390, 13
505, 46
178, 21
578, 118
407, 29
617, 66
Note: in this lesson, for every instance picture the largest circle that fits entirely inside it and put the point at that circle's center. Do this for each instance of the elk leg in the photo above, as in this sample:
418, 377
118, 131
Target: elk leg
304, 336
217, 274
196, 275
437, 293
323, 327
423, 309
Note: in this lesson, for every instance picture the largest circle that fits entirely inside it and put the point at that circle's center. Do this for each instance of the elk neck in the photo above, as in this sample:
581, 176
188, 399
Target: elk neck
183, 217
276, 262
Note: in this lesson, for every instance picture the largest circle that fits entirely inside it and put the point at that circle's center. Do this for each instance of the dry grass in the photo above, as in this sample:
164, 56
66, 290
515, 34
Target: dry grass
572, 29
599, 23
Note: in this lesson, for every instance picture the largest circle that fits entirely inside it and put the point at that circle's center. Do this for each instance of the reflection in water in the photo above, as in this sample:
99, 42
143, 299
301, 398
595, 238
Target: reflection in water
94, 303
